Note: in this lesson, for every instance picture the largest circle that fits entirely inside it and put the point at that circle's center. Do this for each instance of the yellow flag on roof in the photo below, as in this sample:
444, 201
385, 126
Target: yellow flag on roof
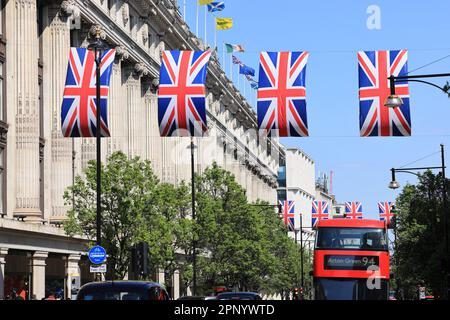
204, 2
224, 23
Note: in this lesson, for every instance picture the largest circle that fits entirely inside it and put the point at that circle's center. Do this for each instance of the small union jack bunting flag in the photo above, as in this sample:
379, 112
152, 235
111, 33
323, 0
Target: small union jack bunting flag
282, 95
181, 95
319, 211
386, 212
375, 119
79, 105
353, 210
288, 209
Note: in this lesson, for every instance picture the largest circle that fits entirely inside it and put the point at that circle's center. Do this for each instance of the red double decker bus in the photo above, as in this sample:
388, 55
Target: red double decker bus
351, 260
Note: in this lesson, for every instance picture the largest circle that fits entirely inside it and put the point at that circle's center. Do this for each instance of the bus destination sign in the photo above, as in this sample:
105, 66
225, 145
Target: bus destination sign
349, 262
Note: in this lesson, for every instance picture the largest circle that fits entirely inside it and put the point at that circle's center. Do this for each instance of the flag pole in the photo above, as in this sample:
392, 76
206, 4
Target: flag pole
239, 80
206, 11
223, 57
215, 39
196, 21
231, 66
244, 90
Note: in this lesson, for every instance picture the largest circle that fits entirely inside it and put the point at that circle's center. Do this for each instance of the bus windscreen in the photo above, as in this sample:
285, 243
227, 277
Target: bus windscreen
352, 239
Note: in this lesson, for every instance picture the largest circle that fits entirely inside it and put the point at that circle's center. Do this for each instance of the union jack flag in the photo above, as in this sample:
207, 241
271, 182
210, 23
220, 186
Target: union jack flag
375, 119
288, 208
181, 95
236, 60
319, 211
385, 210
353, 210
282, 94
79, 105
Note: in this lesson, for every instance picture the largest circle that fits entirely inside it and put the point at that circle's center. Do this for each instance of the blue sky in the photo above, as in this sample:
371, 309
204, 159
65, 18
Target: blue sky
333, 31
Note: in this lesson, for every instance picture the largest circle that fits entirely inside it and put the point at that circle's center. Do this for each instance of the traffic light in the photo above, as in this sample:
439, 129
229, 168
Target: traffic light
295, 296
139, 259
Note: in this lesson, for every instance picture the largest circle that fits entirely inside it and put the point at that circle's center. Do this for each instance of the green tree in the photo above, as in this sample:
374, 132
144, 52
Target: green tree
241, 245
420, 253
129, 205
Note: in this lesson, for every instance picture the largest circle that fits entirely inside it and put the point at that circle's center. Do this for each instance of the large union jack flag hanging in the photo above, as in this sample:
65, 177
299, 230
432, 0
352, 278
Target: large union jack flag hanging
386, 212
319, 211
282, 94
79, 108
353, 210
375, 119
288, 208
181, 95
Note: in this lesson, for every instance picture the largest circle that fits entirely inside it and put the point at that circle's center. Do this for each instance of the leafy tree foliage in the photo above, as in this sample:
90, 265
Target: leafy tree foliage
420, 255
239, 244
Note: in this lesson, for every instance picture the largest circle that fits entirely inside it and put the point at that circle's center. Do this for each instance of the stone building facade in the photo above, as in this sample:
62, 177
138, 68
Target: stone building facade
37, 163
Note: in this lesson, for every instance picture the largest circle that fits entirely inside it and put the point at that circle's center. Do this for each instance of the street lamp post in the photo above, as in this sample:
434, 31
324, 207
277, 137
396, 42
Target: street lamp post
98, 46
194, 241
394, 101
302, 278
394, 185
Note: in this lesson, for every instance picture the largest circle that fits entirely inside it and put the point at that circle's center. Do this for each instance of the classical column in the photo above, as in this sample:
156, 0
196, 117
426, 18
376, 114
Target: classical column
154, 141
114, 108
141, 121
58, 165
160, 276
23, 72
175, 285
131, 114
72, 272
38, 269
3, 253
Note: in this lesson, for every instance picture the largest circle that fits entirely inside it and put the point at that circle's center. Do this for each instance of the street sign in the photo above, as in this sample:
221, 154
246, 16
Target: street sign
97, 255
98, 269
422, 291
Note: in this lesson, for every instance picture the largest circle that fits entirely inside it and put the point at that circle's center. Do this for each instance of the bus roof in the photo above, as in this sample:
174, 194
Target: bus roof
350, 223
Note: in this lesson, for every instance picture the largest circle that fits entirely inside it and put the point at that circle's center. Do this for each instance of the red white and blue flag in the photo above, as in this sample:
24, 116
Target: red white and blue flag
353, 210
288, 209
375, 119
79, 105
282, 94
319, 211
181, 94
385, 210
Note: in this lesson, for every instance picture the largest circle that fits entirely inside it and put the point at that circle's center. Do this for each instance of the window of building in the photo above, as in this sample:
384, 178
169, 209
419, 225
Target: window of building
282, 195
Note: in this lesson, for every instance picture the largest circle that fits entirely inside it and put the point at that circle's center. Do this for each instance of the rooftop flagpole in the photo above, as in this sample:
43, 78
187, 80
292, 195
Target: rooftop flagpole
196, 21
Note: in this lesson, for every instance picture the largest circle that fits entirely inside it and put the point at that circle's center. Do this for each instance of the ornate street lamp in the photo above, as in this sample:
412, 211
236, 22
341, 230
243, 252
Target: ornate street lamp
394, 185
98, 46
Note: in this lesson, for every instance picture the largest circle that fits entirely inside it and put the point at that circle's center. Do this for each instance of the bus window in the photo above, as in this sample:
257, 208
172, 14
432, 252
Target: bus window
352, 239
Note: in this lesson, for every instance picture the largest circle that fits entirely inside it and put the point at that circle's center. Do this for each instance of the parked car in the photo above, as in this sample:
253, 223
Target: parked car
191, 298
123, 290
197, 298
238, 296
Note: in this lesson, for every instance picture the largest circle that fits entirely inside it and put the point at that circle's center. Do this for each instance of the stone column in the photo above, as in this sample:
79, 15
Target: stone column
176, 285
38, 269
114, 107
72, 271
131, 114
58, 163
3, 253
154, 141
23, 72
160, 276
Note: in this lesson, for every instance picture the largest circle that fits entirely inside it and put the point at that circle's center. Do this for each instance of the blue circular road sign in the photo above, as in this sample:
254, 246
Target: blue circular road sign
97, 255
